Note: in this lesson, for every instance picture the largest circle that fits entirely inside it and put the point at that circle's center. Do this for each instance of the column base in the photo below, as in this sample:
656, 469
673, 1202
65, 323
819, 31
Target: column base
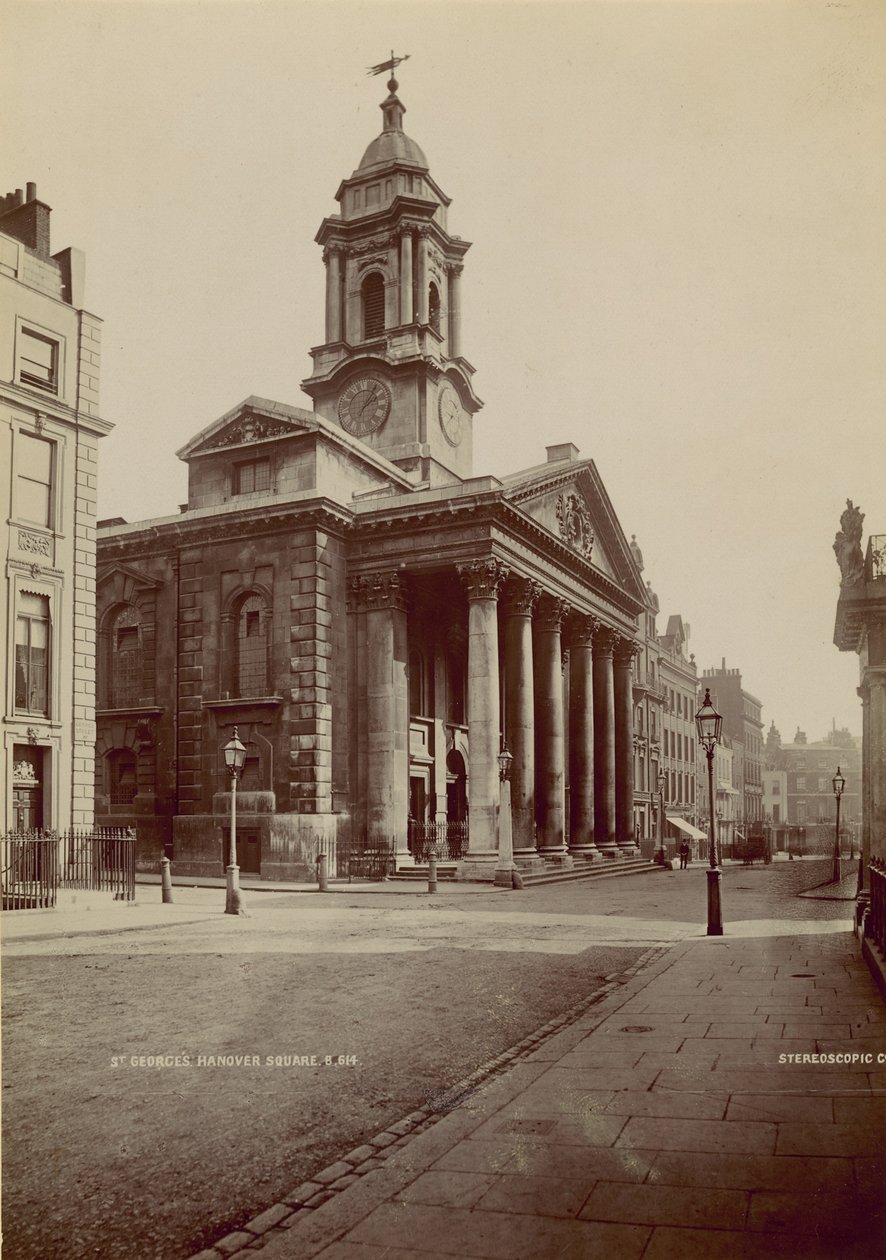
478, 868
529, 862
609, 850
558, 854
585, 853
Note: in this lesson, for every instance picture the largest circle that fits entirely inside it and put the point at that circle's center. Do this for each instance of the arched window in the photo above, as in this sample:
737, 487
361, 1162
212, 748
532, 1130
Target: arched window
122, 776
126, 658
434, 307
252, 647
373, 293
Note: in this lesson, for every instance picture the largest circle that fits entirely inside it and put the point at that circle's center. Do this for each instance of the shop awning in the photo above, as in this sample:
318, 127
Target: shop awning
683, 825
724, 786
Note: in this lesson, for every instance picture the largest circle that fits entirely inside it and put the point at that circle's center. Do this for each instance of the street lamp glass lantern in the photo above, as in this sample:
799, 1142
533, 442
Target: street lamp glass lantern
504, 763
708, 723
662, 781
839, 783
235, 754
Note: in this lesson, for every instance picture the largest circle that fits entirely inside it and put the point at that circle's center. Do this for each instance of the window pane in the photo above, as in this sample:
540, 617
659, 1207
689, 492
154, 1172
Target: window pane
38, 360
32, 502
33, 466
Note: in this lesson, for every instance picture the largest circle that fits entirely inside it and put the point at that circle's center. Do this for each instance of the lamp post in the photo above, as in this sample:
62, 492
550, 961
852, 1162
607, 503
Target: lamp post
839, 783
505, 867
709, 723
719, 837
235, 759
662, 781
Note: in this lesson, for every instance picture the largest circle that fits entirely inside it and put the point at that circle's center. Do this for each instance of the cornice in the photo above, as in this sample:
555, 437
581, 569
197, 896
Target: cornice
502, 511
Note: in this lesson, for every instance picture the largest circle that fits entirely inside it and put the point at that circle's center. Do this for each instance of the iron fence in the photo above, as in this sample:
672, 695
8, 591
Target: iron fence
358, 857
35, 864
876, 924
447, 840
102, 859
28, 870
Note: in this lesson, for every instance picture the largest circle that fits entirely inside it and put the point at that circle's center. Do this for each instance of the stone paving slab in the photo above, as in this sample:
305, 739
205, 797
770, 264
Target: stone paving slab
633, 1132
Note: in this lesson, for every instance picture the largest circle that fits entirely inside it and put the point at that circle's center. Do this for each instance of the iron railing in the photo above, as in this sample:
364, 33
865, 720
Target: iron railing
102, 859
875, 560
358, 857
35, 864
447, 840
876, 921
28, 870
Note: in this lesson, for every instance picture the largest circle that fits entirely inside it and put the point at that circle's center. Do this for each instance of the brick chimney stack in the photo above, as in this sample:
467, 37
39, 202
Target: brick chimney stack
27, 219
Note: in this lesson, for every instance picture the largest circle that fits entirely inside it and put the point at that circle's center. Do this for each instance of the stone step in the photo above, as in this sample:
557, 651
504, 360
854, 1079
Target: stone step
608, 869
600, 870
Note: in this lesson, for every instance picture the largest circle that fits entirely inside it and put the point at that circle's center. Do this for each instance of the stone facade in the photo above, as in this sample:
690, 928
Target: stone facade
742, 723
50, 358
375, 620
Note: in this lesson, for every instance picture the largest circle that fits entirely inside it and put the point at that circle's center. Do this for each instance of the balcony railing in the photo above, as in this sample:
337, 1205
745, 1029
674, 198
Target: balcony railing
875, 560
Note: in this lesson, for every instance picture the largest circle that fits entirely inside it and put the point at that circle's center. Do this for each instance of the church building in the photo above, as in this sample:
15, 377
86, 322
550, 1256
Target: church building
376, 620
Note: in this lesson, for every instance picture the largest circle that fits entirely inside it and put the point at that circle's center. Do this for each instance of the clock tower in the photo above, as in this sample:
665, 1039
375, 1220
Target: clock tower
391, 370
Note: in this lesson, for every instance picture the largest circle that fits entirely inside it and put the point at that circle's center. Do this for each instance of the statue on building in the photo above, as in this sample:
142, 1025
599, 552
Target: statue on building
847, 545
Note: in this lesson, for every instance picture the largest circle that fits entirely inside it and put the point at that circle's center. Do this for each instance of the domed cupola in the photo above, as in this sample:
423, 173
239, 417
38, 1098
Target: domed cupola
391, 370
393, 145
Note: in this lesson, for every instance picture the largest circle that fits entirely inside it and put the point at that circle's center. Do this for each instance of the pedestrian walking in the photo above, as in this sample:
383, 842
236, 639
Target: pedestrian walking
684, 856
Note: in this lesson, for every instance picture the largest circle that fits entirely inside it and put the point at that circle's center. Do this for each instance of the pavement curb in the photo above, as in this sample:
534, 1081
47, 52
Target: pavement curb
370, 1157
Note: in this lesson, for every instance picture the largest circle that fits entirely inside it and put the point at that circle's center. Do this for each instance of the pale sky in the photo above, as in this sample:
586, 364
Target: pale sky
679, 264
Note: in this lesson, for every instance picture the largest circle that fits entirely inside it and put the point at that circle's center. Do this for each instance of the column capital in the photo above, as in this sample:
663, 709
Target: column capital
581, 628
332, 251
625, 650
482, 578
455, 269
520, 596
552, 612
605, 640
379, 590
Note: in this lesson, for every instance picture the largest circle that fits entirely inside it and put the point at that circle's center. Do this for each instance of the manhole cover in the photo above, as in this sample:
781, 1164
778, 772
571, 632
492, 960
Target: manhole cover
637, 1028
526, 1126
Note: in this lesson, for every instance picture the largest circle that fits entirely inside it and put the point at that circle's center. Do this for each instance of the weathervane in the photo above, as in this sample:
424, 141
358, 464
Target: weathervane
388, 65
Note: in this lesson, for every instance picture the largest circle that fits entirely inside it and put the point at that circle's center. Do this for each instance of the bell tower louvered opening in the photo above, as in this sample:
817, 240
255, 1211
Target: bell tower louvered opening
373, 306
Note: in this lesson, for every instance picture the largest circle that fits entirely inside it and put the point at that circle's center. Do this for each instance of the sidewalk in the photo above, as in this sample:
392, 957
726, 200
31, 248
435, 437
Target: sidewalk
665, 1122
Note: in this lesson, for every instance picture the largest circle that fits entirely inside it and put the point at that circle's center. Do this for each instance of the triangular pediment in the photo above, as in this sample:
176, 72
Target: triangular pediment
571, 503
250, 423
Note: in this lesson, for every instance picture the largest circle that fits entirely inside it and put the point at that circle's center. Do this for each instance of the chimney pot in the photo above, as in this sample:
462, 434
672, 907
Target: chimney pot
564, 450
19, 198
31, 193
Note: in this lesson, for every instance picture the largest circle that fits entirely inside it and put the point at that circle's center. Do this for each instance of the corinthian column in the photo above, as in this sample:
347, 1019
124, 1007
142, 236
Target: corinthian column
422, 279
332, 258
581, 737
406, 276
604, 743
625, 651
550, 769
521, 596
455, 317
482, 580
382, 597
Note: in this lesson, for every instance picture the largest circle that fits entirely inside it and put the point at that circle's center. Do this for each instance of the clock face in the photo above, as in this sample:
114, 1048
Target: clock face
364, 406
450, 413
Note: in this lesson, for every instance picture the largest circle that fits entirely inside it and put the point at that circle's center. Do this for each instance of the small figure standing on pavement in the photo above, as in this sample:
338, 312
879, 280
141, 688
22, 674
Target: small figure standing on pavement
684, 856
